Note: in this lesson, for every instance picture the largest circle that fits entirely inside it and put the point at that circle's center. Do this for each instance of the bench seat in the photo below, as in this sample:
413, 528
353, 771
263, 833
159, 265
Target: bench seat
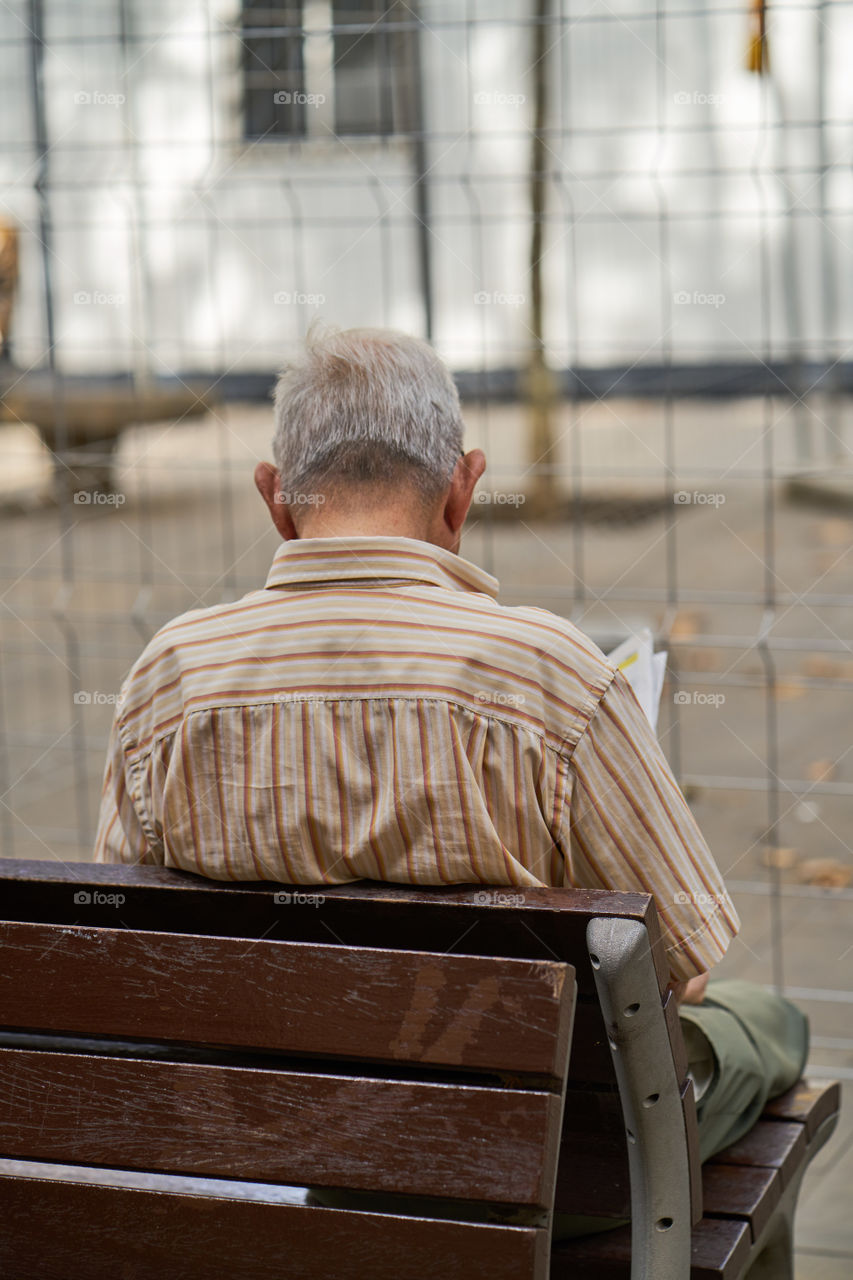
519, 1054
749, 1193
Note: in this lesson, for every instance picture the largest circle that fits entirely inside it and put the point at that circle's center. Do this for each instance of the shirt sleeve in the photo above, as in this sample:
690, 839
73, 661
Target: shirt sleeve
119, 837
630, 828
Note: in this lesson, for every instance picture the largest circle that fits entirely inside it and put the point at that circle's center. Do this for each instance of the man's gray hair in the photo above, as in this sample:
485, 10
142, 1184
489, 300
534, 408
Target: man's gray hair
368, 407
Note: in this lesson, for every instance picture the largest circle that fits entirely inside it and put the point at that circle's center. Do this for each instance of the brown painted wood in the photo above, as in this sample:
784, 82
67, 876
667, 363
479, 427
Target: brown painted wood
691, 1129
591, 1060
593, 1169
279, 1126
263, 1118
547, 924
112, 1233
771, 1144
731, 1191
350, 1002
719, 1251
676, 1039
810, 1102
592, 1173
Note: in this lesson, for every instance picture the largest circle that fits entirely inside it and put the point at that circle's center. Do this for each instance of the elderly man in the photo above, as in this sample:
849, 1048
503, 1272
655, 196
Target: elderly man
374, 712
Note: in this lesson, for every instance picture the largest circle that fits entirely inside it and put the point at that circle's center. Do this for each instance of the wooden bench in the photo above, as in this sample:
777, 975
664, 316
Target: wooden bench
377, 1039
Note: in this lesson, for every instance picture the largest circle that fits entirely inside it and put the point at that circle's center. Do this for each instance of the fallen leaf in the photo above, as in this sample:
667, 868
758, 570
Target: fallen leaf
826, 872
780, 858
835, 533
697, 660
826, 561
823, 666
821, 771
685, 625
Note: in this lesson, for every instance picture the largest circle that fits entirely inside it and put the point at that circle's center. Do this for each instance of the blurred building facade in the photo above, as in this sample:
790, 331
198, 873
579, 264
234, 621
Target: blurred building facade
210, 176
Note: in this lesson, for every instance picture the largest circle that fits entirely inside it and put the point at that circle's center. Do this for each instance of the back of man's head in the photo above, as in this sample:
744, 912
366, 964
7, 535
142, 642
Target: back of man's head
362, 413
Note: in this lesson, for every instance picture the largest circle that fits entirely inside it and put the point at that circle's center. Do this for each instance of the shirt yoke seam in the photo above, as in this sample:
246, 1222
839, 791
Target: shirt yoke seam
561, 750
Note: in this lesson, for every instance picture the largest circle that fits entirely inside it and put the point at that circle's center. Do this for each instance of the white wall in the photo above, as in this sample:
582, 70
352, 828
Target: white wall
183, 236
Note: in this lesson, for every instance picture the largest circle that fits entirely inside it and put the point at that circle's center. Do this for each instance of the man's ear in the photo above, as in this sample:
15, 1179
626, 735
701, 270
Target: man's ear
467, 472
269, 487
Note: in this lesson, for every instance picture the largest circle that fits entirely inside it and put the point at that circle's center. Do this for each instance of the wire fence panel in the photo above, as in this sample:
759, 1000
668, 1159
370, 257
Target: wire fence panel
627, 229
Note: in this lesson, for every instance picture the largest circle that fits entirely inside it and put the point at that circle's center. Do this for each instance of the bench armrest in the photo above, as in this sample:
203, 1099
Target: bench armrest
650, 1092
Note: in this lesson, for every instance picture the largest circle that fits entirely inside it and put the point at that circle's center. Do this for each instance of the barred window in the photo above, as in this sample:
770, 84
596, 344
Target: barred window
273, 69
323, 67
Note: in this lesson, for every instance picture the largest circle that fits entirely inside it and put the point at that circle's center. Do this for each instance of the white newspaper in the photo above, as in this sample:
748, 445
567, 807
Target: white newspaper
643, 669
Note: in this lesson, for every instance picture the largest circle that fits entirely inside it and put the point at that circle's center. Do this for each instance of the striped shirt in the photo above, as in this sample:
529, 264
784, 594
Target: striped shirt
374, 712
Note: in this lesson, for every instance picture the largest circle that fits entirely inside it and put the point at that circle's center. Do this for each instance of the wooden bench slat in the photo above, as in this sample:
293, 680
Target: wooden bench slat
273, 1126
719, 1251
117, 1233
278, 1057
676, 1039
593, 1165
591, 1061
691, 1130
770, 1144
810, 1102
550, 925
741, 1192
356, 1002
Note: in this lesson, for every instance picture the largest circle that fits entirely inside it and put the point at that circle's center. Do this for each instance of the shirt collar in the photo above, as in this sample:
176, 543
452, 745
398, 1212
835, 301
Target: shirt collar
304, 560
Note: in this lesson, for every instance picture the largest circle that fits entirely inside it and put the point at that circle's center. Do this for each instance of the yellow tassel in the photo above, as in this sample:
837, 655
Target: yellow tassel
757, 58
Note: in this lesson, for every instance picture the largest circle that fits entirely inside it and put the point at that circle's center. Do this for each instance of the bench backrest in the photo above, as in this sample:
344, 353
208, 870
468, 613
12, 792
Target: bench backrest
366, 1036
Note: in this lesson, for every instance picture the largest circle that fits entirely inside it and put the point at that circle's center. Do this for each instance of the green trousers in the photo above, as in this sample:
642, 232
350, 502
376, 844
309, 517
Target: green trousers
759, 1043
753, 1045
745, 1046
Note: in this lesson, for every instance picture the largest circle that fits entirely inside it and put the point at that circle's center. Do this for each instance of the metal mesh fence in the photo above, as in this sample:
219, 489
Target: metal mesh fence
628, 232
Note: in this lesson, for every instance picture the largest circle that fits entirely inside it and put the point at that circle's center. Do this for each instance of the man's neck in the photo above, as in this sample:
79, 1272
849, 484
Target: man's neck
360, 529
402, 520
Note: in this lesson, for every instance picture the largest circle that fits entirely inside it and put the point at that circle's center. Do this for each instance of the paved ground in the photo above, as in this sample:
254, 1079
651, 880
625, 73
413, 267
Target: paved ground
81, 597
